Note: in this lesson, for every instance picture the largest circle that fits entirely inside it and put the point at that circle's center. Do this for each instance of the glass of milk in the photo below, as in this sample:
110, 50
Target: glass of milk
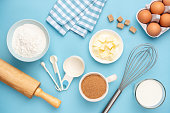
150, 93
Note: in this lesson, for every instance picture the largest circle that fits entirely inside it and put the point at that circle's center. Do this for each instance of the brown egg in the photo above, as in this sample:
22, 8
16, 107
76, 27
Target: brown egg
165, 20
153, 29
157, 8
144, 16
166, 2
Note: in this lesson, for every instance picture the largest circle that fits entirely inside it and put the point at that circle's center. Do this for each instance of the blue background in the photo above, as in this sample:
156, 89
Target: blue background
11, 101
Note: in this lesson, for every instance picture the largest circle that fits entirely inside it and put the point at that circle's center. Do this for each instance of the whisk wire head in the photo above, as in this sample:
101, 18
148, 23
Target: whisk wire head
141, 59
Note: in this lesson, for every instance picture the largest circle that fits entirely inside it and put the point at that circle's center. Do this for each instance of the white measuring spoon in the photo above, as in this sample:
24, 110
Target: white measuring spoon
43, 65
53, 60
73, 67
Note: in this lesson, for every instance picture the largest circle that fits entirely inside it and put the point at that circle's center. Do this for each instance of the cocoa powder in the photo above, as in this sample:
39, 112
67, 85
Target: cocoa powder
93, 86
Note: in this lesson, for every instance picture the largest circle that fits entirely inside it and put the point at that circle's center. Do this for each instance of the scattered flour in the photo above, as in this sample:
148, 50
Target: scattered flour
28, 41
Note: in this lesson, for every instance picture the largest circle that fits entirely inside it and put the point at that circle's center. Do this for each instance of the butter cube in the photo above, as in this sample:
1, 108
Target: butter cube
102, 47
116, 43
104, 54
112, 51
97, 44
95, 50
109, 39
109, 45
108, 50
110, 57
102, 39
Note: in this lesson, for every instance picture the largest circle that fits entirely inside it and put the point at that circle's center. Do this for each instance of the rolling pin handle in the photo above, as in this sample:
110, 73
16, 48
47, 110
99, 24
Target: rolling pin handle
50, 99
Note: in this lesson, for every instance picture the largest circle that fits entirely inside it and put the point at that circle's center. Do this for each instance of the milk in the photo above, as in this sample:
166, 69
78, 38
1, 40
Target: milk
150, 93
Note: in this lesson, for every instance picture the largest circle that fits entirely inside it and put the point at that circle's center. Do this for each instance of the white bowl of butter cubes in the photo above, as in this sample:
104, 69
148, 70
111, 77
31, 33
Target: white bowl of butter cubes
106, 46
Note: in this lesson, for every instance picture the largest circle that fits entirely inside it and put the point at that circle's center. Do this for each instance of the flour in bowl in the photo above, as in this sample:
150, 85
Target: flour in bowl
28, 41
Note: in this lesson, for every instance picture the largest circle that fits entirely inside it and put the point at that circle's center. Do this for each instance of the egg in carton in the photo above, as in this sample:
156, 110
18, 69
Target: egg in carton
154, 18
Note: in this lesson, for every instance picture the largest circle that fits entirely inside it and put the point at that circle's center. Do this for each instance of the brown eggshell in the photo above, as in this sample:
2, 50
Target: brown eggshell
166, 2
144, 16
153, 29
165, 20
157, 7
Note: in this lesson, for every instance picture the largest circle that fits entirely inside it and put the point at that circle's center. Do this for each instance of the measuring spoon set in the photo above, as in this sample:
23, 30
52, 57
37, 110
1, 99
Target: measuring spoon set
73, 67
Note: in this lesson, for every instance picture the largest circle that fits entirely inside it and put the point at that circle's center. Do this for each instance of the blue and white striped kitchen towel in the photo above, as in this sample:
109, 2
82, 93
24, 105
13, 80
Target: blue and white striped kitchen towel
79, 16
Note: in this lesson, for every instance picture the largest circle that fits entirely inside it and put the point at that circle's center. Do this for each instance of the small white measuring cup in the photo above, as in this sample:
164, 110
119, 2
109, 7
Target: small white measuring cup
73, 67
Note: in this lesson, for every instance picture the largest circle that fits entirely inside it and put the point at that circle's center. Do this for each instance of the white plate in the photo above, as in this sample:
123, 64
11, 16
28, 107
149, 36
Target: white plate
10, 36
101, 60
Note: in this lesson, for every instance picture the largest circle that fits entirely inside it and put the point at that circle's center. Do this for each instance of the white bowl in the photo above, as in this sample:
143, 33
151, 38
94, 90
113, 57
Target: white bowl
101, 60
10, 36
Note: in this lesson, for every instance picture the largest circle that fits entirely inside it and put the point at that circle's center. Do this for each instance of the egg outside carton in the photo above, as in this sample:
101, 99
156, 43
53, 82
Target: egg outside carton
155, 18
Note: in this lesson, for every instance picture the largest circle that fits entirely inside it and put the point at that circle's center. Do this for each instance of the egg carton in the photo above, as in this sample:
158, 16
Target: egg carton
155, 18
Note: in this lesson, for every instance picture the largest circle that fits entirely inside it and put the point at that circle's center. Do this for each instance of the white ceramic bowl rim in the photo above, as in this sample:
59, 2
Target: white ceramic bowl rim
10, 34
98, 59
97, 99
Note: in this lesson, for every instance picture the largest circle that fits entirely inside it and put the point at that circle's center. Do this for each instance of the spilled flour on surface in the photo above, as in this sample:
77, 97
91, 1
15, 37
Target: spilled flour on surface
28, 41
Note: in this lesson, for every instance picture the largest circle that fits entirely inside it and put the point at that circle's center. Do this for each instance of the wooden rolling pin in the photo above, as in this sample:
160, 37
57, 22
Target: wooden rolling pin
24, 83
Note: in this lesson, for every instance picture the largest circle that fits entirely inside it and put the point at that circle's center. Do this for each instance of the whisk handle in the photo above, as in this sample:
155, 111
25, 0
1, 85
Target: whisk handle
112, 101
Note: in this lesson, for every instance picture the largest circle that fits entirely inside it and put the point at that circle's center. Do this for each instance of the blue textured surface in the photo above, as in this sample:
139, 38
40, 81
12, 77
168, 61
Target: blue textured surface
13, 102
